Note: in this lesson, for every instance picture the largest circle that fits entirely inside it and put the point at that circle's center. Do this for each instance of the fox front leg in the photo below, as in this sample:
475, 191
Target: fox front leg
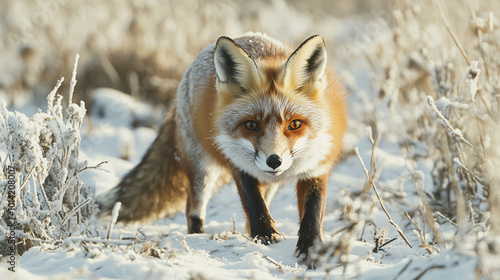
259, 219
311, 195
208, 178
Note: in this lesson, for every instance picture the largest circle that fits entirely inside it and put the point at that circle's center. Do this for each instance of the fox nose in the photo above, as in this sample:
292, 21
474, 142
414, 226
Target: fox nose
273, 161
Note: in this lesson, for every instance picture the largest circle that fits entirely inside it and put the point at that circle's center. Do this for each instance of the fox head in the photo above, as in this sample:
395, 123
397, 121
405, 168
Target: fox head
272, 118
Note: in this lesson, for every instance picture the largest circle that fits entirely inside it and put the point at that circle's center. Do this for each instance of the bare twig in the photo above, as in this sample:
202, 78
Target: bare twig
455, 132
427, 269
471, 213
280, 267
421, 236
417, 177
448, 28
233, 218
362, 232
370, 181
98, 240
388, 242
98, 167
52, 94
27, 178
403, 270
73, 211
246, 237
137, 238
340, 230
72, 83
184, 244
474, 176
114, 218
44, 194
383, 255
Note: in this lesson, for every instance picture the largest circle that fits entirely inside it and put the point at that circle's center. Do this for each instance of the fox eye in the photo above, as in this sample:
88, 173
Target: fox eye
295, 124
251, 125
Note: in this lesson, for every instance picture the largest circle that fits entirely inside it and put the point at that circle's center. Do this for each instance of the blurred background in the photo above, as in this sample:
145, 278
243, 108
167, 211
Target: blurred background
142, 47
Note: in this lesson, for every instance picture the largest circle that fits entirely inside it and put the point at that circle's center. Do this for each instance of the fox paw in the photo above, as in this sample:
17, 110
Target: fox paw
304, 258
268, 239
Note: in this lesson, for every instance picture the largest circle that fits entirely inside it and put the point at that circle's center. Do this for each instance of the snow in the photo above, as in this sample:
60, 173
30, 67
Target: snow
117, 109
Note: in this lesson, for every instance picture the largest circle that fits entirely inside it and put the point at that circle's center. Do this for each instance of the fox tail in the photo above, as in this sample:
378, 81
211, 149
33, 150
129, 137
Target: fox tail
156, 187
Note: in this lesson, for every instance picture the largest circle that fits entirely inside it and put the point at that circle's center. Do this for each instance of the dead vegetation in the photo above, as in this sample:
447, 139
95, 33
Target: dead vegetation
436, 70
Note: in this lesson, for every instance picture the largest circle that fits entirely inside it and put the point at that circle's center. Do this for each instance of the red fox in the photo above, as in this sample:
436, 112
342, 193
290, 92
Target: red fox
254, 110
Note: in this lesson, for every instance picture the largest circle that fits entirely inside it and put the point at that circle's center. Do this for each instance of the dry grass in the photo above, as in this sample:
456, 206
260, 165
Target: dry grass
437, 70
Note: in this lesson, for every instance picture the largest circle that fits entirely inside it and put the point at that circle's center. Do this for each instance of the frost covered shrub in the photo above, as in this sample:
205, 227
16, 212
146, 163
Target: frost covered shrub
437, 70
41, 160
434, 69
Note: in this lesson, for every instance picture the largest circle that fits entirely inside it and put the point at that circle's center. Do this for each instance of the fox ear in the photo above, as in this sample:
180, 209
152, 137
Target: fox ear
233, 65
306, 64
